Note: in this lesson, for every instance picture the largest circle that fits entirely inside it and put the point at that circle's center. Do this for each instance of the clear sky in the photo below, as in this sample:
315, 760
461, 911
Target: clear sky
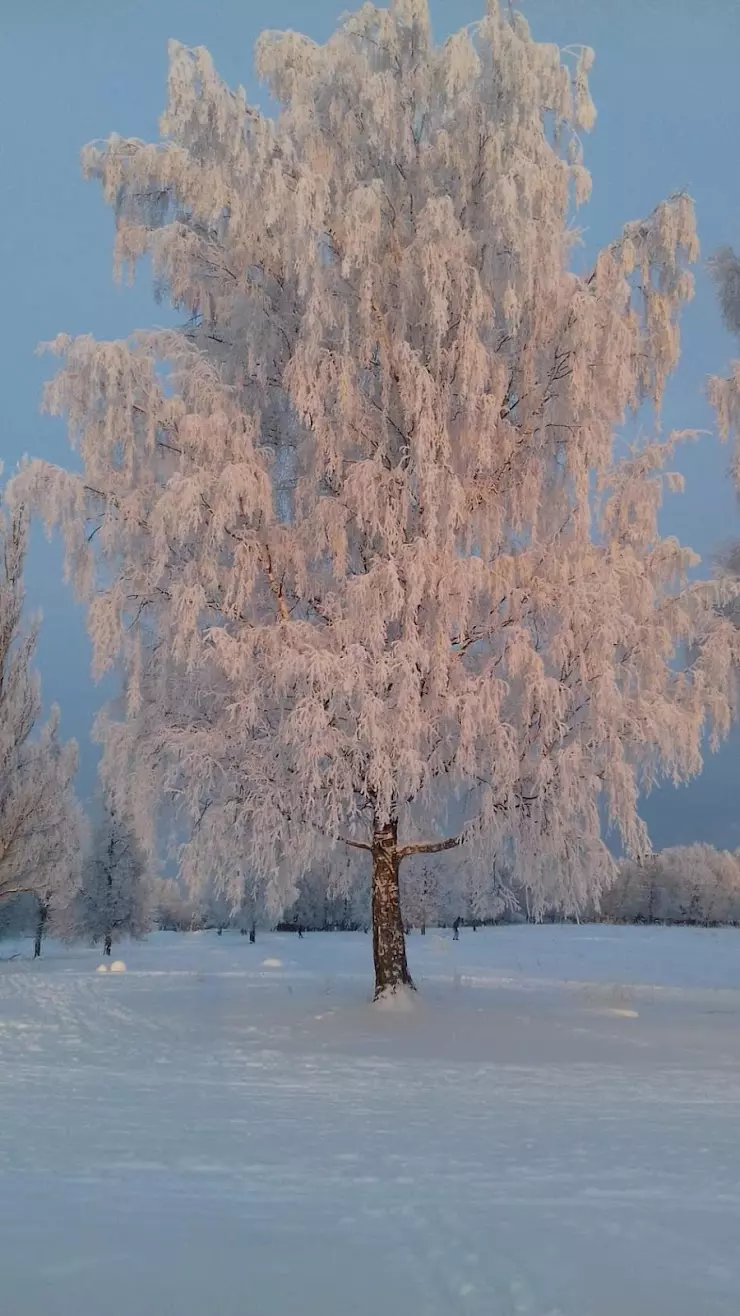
667, 92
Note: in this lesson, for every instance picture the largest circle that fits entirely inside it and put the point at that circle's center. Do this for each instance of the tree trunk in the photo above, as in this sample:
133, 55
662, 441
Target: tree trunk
42, 916
109, 934
389, 944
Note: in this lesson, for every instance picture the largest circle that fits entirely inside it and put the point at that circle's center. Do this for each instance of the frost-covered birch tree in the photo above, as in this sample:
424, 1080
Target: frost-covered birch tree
41, 823
381, 579
116, 897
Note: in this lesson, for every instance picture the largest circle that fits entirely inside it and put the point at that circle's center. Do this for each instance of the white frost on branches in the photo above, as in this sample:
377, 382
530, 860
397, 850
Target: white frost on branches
116, 895
724, 394
41, 823
683, 884
357, 533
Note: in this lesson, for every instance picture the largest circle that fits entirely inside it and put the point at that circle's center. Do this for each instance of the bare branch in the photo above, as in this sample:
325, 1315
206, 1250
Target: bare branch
429, 847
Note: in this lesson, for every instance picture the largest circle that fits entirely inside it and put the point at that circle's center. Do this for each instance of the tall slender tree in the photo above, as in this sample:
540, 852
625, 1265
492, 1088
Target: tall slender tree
357, 532
41, 823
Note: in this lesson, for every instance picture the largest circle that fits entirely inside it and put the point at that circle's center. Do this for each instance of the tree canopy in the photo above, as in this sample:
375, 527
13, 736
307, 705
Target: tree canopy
360, 532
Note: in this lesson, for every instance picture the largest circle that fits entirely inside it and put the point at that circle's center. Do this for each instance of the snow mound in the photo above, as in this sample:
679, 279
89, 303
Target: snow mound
102, 968
614, 1013
118, 966
272, 964
400, 1001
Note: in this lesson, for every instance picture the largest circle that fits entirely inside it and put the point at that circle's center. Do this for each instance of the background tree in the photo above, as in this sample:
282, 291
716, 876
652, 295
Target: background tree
312, 907
116, 897
251, 911
357, 532
421, 898
335, 900
637, 895
694, 884
41, 824
218, 909
56, 885
174, 910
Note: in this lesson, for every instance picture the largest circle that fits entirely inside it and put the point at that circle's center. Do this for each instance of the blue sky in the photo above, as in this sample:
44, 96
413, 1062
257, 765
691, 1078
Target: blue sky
668, 98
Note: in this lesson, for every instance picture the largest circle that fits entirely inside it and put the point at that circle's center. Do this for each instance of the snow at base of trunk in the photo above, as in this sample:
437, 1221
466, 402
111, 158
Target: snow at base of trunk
400, 1000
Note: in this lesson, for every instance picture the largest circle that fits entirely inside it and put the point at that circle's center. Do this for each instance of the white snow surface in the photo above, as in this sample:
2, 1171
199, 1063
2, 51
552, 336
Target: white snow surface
553, 1129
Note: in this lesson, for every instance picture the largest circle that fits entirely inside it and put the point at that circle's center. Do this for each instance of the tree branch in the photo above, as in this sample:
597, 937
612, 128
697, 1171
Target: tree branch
356, 845
431, 847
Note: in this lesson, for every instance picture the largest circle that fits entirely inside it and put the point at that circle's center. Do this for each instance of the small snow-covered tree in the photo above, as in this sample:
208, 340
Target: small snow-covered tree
337, 899
421, 898
358, 532
174, 910
311, 906
438, 890
251, 909
636, 896
115, 898
218, 908
56, 885
704, 883
41, 824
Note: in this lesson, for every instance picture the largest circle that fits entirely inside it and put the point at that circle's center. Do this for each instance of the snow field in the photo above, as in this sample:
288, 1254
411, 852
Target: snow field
552, 1128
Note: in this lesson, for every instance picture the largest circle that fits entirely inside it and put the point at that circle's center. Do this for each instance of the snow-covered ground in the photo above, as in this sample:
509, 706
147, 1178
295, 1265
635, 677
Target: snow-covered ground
554, 1127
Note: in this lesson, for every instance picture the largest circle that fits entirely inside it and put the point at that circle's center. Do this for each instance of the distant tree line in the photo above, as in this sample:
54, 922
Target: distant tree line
692, 884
